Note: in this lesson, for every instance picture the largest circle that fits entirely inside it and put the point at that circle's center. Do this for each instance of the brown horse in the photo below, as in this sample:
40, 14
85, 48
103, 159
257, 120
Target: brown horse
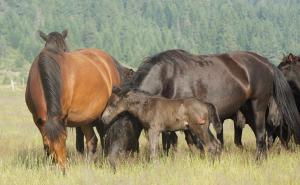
68, 89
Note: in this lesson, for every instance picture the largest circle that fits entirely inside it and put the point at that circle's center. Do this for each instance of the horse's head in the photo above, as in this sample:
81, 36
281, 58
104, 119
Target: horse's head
55, 40
54, 139
290, 67
128, 73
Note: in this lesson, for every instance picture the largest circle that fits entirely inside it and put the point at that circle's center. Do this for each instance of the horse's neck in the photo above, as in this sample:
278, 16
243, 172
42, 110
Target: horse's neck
54, 49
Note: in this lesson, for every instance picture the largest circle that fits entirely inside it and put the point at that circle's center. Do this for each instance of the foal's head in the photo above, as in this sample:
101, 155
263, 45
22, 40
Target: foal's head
120, 103
55, 40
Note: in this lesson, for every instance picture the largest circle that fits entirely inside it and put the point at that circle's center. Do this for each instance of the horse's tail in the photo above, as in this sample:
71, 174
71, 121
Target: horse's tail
51, 80
286, 103
214, 118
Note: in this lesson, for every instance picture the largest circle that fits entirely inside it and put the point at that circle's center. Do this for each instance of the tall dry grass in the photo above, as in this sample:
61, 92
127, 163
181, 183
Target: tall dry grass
22, 159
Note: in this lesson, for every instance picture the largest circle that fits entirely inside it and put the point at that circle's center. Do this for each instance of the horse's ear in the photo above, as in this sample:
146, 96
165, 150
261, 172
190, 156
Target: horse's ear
290, 57
65, 33
42, 35
116, 90
131, 71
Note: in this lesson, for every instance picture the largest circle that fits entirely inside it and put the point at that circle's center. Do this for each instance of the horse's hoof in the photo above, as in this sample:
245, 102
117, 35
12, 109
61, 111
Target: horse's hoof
261, 155
239, 145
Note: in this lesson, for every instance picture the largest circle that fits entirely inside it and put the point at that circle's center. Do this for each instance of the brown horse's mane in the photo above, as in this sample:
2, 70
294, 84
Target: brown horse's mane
50, 75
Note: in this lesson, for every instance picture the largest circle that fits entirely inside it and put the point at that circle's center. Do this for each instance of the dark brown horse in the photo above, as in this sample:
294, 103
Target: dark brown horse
290, 66
158, 114
231, 81
68, 89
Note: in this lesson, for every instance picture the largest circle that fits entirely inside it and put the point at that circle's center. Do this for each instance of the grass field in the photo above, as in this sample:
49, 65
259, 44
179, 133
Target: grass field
22, 159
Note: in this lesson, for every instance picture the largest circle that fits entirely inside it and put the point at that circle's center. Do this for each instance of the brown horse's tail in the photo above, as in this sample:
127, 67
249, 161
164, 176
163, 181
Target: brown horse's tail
214, 118
51, 81
286, 103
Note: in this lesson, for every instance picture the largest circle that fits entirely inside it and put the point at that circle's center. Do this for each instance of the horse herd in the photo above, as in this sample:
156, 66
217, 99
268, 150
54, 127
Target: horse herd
170, 91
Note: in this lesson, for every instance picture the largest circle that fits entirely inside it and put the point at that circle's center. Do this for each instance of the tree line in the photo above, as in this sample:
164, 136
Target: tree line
130, 30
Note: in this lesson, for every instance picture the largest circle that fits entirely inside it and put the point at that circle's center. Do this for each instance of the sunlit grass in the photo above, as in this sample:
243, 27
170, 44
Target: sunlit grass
22, 160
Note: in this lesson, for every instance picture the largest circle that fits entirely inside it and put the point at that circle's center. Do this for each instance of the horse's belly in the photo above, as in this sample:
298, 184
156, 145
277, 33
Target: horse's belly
85, 114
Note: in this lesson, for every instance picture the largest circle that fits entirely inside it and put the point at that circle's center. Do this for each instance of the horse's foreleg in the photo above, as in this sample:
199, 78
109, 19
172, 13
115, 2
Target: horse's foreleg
79, 140
91, 142
153, 134
101, 131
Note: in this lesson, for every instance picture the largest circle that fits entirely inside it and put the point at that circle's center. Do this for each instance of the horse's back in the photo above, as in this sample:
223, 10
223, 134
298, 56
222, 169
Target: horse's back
212, 78
88, 75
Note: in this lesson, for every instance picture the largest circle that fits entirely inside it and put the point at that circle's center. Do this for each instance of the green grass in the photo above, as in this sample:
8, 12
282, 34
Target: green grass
22, 159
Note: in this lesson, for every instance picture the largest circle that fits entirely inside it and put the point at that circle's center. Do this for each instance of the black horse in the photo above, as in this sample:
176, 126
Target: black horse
290, 67
231, 81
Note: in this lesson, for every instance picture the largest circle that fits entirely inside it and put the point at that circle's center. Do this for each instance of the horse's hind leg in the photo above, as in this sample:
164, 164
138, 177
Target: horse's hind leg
79, 140
238, 129
91, 141
166, 143
220, 135
259, 107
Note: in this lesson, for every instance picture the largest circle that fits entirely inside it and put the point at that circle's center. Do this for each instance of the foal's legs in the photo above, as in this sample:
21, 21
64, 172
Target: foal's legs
91, 141
191, 139
153, 134
210, 143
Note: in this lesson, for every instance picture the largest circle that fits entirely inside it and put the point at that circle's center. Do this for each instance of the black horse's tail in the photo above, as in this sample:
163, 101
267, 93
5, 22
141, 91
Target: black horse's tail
214, 118
286, 103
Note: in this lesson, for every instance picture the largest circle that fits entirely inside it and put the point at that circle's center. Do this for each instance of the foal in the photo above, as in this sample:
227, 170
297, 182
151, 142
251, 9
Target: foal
158, 114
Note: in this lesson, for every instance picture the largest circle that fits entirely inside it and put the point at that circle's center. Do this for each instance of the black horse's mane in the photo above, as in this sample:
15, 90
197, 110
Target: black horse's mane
169, 56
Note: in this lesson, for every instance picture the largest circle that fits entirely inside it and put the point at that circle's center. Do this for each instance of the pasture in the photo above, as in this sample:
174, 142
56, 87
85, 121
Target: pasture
22, 158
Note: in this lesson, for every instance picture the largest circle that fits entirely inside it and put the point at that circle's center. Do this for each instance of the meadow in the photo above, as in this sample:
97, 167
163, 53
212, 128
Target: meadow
22, 159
